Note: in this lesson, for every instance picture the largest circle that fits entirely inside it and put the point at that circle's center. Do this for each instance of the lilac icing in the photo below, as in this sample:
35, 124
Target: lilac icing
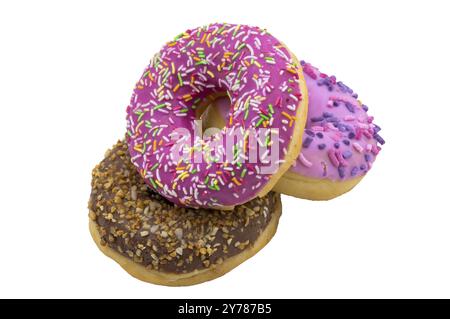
340, 141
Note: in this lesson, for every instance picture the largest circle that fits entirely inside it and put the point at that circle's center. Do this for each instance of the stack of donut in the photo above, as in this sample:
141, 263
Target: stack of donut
175, 207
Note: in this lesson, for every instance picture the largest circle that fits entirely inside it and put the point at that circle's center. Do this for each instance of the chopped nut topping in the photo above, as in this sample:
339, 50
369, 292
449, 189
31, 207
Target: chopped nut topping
179, 233
144, 233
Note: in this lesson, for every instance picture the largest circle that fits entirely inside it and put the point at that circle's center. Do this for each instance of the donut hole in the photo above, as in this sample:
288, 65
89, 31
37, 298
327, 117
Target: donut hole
215, 113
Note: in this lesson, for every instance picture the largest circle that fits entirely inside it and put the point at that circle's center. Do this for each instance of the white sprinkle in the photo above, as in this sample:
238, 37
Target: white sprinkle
305, 161
358, 147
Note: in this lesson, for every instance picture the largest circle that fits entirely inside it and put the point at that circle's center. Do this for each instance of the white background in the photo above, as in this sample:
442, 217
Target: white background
67, 70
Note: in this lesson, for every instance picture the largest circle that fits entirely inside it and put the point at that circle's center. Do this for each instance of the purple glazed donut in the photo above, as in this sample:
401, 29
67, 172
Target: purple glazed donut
340, 142
265, 85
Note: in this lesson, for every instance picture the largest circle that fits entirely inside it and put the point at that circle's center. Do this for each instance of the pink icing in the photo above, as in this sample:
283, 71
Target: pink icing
262, 81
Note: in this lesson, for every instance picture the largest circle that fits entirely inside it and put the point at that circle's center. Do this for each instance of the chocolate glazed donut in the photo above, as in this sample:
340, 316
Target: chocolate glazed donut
159, 242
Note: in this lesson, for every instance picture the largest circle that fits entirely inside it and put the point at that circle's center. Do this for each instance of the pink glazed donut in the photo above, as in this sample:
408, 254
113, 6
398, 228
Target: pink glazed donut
265, 84
340, 142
